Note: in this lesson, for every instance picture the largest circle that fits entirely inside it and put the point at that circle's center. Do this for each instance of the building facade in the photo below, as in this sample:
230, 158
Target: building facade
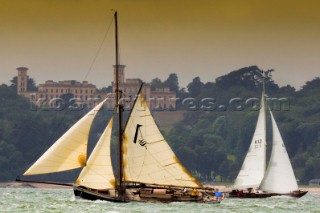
159, 99
86, 93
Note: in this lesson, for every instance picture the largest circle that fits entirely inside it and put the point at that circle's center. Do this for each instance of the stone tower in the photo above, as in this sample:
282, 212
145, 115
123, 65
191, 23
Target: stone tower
22, 80
121, 74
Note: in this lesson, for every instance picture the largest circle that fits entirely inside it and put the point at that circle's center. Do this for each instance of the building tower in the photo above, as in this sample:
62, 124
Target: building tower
121, 74
22, 80
121, 77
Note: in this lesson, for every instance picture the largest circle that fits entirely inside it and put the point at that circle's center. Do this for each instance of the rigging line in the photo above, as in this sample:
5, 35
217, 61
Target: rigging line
98, 51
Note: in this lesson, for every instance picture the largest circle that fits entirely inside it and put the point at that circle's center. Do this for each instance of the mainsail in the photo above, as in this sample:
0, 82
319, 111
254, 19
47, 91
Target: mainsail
69, 151
253, 167
279, 177
147, 156
98, 173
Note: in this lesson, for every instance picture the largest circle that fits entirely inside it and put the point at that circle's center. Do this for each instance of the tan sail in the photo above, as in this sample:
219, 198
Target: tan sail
149, 159
98, 173
69, 151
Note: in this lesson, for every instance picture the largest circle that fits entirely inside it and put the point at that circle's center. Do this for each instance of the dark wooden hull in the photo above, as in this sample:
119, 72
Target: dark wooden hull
142, 195
296, 194
89, 194
249, 195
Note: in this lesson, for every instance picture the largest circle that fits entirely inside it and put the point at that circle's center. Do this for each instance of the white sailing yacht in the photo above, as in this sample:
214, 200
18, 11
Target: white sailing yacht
279, 178
147, 169
254, 165
253, 180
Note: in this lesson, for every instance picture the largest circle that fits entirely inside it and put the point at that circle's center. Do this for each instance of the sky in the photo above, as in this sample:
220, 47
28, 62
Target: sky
74, 39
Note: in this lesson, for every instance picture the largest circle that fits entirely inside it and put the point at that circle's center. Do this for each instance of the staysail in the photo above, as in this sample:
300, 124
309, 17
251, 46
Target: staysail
254, 165
147, 156
98, 173
69, 151
279, 177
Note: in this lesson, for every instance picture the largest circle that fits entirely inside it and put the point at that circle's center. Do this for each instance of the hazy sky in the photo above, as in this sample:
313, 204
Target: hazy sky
58, 39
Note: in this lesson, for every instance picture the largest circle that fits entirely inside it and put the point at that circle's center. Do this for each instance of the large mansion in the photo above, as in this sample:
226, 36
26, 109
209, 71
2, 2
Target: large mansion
85, 92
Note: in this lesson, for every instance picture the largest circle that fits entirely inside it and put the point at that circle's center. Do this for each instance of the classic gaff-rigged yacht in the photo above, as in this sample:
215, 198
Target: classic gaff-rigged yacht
253, 180
152, 172
147, 169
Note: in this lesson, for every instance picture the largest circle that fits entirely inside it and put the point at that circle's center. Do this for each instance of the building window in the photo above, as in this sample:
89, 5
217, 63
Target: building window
61, 90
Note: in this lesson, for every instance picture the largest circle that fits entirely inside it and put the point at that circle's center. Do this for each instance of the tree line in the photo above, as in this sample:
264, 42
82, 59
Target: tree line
211, 142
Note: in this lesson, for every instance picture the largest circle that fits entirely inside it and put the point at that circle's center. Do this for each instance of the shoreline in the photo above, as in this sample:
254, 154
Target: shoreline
222, 188
14, 184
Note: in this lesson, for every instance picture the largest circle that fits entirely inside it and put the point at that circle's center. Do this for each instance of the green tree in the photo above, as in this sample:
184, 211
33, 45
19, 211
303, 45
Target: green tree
195, 87
172, 82
156, 83
31, 84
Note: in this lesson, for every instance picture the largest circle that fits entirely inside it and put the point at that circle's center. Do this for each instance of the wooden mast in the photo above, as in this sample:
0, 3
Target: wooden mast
119, 107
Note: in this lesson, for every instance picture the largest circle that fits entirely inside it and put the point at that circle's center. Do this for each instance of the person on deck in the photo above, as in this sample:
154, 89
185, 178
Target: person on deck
219, 195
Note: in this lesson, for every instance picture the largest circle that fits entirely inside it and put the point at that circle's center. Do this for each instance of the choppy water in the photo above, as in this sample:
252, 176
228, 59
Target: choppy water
62, 200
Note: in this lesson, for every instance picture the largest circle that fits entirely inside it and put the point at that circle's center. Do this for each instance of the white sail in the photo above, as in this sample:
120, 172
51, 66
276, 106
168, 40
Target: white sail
279, 177
149, 159
98, 173
254, 165
69, 151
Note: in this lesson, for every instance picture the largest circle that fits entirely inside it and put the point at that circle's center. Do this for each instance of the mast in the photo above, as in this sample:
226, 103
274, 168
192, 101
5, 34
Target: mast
265, 109
119, 107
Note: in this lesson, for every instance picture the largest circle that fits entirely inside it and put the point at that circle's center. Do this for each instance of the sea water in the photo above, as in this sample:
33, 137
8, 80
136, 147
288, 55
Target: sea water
62, 200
